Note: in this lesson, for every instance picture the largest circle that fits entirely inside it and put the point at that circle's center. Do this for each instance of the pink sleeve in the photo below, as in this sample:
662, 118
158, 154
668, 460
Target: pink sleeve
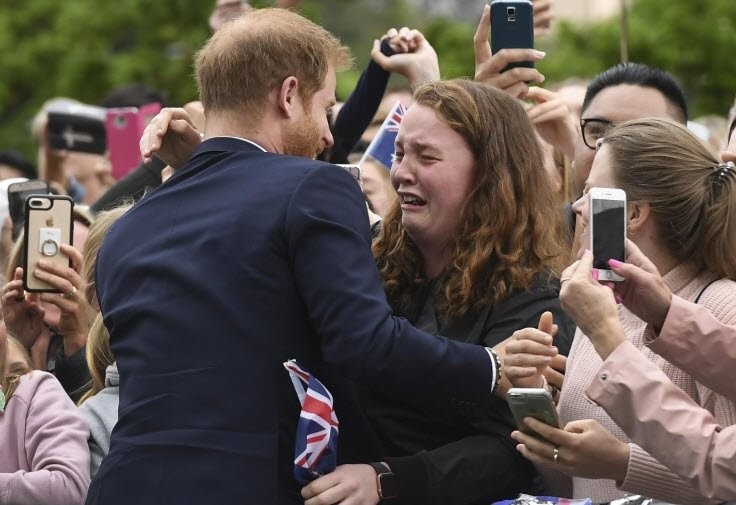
695, 341
665, 421
56, 448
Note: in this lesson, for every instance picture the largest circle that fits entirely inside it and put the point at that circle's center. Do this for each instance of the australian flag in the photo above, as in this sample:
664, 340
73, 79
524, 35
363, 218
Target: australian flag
381, 147
315, 452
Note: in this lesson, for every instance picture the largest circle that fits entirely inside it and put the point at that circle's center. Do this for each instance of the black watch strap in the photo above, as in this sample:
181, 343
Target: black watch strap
386, 481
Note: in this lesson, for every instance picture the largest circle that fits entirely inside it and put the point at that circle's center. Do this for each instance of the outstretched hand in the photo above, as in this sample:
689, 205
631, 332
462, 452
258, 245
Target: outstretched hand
529, 352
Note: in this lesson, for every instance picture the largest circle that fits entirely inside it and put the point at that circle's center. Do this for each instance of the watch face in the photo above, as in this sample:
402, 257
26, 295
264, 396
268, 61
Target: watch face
388, 486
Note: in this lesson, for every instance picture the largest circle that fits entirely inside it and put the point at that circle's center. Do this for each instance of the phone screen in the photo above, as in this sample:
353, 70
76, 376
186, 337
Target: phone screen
609, 220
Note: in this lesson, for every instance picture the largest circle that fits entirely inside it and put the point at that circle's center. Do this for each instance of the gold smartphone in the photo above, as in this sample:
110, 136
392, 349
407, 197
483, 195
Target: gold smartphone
48, 225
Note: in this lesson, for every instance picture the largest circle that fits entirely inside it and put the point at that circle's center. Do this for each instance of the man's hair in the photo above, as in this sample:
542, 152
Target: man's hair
691, 193
510, 229
252, 55
638, 74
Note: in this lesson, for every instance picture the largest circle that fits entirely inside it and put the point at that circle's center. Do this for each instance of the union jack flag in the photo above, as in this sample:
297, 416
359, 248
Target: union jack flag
315, 452
382, 147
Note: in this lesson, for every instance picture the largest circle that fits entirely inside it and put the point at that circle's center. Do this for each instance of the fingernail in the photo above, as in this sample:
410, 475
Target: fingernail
539, 54
614, 263
42, 264
594, 273
617, 298
542, 78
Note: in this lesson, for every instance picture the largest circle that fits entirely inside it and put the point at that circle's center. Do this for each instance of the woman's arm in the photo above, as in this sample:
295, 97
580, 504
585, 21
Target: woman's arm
653, 412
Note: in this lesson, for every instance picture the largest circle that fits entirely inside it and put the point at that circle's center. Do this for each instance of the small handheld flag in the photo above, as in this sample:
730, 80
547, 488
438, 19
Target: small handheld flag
315, 451
381, 147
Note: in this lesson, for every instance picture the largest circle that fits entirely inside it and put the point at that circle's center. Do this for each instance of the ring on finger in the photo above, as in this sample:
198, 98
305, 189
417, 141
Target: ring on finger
556, 454
70, 293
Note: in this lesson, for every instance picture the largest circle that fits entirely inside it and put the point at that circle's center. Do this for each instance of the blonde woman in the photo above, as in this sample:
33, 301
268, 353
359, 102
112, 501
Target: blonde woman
99, 405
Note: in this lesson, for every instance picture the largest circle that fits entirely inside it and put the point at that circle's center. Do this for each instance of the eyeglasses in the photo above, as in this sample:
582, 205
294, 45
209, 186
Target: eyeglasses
594, 129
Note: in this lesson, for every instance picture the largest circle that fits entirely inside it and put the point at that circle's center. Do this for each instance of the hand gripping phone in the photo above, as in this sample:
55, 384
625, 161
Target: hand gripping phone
512, 27
532, 402
48, 225
607, 229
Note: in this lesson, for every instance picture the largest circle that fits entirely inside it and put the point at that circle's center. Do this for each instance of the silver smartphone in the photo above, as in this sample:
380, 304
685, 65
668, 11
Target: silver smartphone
532, 402
607, 229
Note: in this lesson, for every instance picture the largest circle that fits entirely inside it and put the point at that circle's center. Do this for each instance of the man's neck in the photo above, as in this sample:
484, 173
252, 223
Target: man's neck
262, 132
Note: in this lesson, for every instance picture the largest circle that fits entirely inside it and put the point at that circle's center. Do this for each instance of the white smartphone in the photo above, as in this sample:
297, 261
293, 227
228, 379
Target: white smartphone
532, 402
607, 229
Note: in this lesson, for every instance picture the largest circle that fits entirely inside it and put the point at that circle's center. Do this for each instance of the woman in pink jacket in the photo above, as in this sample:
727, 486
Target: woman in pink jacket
637, 395
44, 457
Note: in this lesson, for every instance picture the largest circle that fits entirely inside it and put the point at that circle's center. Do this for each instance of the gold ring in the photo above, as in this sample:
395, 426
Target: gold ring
556, 455
71, 293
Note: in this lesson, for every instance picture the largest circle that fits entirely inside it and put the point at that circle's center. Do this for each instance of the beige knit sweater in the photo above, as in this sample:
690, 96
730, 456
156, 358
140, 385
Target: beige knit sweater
645, 475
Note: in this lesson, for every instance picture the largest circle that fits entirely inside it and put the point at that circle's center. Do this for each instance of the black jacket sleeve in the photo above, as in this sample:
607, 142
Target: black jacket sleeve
72, 372
359, 109
478, 469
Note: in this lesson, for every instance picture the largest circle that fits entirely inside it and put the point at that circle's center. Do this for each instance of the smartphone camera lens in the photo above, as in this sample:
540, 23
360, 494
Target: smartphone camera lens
511, 11
35, 203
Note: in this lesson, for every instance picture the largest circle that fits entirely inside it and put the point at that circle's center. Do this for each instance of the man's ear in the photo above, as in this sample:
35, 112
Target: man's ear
287, 95
638, 215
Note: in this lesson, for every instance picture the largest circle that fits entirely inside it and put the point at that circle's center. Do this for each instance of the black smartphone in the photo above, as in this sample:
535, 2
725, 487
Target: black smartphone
512, 27
607, 229
49, 224
77, 127
18, 192
532, 402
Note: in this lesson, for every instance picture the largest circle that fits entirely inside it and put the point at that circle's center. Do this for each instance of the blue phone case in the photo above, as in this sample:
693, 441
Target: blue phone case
512, 27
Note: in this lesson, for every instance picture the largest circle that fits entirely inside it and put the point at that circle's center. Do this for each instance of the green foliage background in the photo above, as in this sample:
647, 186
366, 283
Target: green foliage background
84, 48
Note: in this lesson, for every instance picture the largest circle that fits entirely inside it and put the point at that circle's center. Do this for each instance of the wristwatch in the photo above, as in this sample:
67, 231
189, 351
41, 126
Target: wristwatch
386, 480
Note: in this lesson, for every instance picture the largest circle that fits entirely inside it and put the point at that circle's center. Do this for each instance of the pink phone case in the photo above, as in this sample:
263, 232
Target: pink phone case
124, 127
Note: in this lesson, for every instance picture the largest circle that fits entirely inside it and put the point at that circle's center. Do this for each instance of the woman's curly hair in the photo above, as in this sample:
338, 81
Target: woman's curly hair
511, 227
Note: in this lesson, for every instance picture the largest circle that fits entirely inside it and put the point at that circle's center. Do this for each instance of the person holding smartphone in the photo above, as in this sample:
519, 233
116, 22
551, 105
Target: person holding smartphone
679, 197
52, 325
451, 263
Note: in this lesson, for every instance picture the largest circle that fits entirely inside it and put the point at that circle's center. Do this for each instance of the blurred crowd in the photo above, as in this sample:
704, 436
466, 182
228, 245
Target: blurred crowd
419, 287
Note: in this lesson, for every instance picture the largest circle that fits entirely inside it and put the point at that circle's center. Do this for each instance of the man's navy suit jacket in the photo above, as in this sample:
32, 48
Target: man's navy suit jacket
241, 261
